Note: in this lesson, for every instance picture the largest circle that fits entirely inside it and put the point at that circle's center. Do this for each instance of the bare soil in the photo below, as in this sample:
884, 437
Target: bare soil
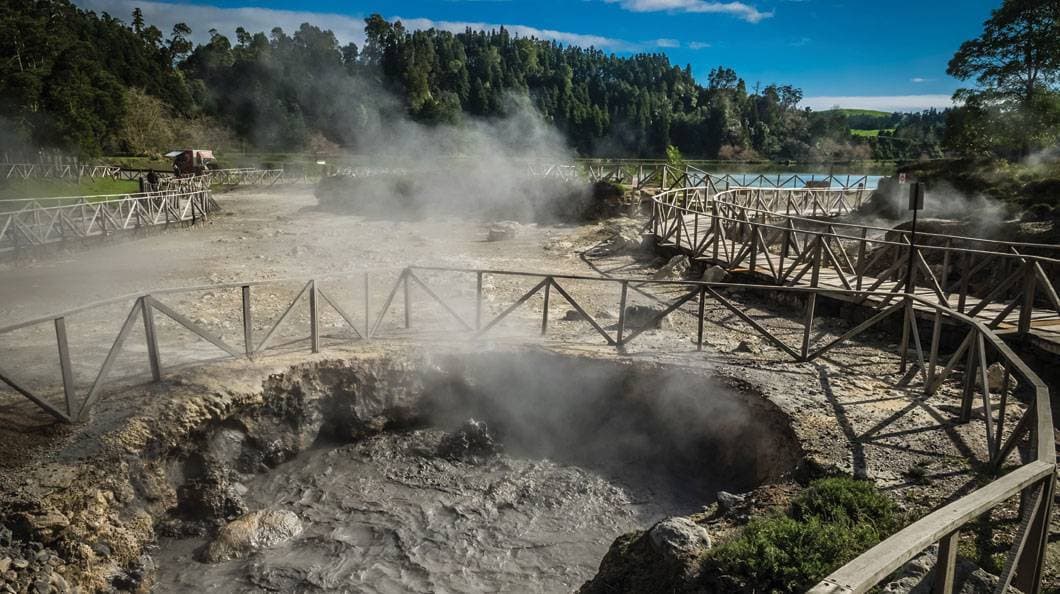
844, 408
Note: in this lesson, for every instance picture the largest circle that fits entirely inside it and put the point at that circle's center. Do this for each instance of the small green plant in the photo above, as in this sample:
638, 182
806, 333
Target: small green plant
827, 525
674, 157
918, 473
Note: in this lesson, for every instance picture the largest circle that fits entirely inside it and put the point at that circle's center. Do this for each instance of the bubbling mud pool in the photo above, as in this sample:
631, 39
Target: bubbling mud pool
490, 473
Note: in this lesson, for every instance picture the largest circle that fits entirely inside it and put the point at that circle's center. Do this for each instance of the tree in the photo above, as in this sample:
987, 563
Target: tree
1016, 65
137, 20
1018, 53
179, 45
147, 127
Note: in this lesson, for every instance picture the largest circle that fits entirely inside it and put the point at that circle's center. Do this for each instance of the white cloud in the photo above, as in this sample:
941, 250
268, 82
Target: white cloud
917, 80
346, 28
881, 103
698, 45
738, 9
667, 43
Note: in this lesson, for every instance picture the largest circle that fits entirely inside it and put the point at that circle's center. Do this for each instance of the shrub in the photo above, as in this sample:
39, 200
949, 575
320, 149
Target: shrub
845, 501
1039, 212
674, 158
827, 525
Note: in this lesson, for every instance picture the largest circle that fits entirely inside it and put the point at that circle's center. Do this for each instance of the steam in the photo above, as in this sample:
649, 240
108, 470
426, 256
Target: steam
1046, 156
476, 168
979, 214
616, 417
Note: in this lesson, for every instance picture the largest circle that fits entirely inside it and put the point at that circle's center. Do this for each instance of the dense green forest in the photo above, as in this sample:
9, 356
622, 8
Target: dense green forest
94, 84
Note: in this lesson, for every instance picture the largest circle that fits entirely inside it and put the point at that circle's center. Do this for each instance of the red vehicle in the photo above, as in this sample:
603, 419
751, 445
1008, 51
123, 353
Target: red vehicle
189, 162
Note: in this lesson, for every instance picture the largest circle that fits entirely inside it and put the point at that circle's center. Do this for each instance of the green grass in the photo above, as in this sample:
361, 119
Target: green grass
47, 188
871, 133
860, 112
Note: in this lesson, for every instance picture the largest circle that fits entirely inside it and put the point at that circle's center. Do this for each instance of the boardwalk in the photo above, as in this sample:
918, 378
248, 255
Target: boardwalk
787, 237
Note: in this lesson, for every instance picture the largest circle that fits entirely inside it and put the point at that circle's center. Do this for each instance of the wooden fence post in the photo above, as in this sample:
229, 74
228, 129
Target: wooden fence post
314, 319
248, 323
64, 364
946, 566
152, 338
478, 301
1030, 286
544, 315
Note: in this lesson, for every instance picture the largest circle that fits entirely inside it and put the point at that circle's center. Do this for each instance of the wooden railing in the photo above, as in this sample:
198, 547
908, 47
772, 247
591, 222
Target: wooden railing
55, 171
768, 232
1009, 429
33, 222
1018, 440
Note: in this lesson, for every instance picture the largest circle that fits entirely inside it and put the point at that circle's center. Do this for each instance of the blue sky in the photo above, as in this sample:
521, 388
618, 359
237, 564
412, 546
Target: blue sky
888, 55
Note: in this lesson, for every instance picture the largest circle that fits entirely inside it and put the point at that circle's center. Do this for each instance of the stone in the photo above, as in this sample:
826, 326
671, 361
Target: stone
624, 237
714, 274
679, 538
20, 564
675, 269
730, 501
59, 584
638, 316
10, 575
253, 532
746, 346
605, 314
211, 496
5, 564
472, 440
503, 231
49, 520
101, 549
573, 315
995, 376
42, 587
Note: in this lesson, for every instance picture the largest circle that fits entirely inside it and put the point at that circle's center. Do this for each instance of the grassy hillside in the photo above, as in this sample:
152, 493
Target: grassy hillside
870, 133
860, 112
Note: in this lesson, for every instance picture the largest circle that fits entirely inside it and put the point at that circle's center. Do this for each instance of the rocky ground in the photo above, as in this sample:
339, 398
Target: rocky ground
73, 510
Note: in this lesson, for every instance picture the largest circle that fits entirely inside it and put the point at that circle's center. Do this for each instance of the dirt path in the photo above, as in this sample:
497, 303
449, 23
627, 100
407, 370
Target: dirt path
258, 236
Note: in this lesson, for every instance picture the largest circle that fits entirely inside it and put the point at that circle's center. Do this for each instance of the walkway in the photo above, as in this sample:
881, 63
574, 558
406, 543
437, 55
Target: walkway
787, 237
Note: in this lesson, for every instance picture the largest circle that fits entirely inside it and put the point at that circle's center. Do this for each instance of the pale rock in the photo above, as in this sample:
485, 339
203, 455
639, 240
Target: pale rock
714, 274
253, 532
729, 501
995, 376
640, 316
503, 231
573, 315
679, 538
675, 269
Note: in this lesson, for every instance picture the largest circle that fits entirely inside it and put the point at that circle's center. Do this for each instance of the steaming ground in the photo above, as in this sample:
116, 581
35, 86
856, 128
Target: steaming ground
390, 515
843, 407
265, 235
281, 234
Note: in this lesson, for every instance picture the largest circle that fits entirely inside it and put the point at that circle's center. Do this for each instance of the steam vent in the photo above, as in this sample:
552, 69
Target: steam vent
331, 302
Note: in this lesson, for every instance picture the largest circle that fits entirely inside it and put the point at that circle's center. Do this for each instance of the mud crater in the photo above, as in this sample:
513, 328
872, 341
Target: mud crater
467, 472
